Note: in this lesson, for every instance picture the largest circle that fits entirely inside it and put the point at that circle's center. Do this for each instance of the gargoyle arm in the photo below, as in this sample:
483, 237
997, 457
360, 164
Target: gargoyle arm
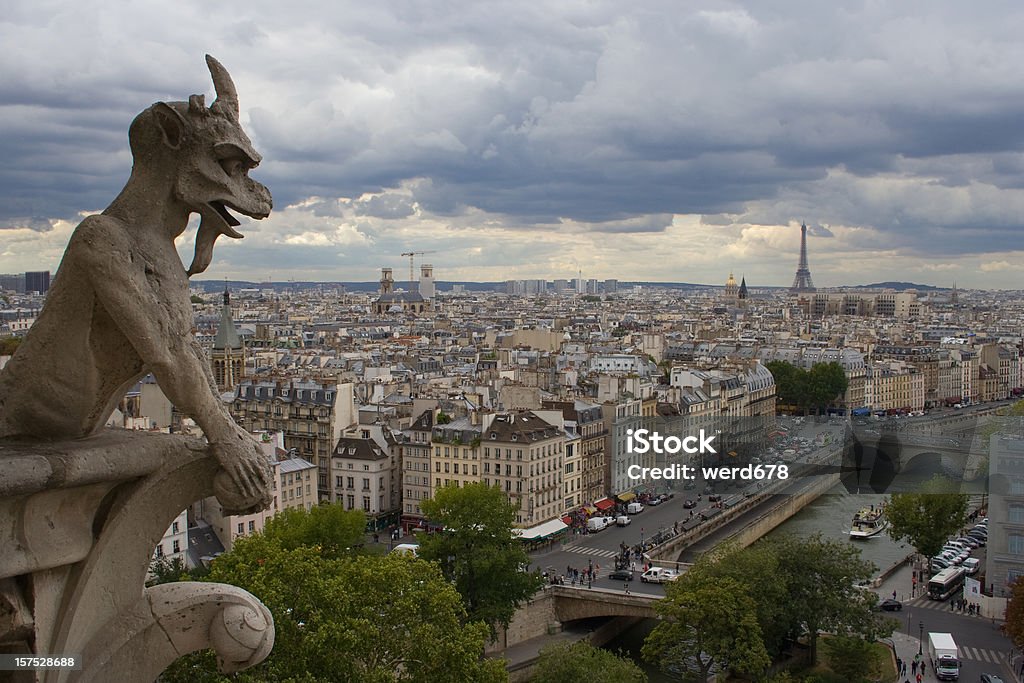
158, 330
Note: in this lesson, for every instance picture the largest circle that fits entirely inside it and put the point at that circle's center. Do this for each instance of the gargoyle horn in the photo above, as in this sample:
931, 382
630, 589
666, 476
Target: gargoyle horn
227, 97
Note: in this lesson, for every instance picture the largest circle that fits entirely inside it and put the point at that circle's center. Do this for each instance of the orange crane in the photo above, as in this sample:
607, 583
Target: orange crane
411, 254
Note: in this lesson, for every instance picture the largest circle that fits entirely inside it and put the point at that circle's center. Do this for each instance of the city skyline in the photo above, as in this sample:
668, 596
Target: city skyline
639, 143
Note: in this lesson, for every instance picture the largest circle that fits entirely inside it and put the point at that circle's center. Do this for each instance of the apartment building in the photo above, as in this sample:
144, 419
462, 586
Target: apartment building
361, 477
312, 415
524, 455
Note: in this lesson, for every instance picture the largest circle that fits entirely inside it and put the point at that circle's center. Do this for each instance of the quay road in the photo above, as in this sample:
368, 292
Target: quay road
600, 549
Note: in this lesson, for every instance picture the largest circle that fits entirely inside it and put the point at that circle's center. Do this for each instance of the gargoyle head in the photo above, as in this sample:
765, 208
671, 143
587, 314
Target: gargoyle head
210, 156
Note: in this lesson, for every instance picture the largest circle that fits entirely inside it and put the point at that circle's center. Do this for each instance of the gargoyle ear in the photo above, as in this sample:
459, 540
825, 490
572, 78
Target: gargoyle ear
171, 124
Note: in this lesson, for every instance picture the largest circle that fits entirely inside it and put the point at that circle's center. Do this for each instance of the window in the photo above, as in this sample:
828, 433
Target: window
252, 525
1016, 513
177, 547
351, 482
351, 502
338, 481
1015, 544
174, 529
366, 503
366, 484
241, 528
160, 550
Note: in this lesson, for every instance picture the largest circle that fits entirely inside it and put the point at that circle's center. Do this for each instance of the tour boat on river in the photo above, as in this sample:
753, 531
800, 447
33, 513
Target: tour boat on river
868, 522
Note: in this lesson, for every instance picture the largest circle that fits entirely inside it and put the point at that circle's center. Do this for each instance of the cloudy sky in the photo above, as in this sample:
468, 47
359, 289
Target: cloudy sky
672, 141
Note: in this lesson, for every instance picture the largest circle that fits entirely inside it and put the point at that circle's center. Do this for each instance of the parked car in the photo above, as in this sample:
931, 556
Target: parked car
622, 520
689, 503
654, 500
938, 563
621, 575
969, 542
972, 565
889, 605
990, 678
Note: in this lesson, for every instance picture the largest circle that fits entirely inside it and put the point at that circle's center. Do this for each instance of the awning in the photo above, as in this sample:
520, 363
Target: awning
567, 519
540, 531
590, 509
604, 504
626, 497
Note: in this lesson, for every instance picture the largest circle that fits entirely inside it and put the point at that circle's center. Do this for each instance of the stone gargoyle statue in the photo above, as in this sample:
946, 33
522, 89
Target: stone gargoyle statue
119, 306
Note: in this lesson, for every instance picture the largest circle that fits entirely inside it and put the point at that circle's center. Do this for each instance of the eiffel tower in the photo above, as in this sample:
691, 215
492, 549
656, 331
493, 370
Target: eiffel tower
802, 281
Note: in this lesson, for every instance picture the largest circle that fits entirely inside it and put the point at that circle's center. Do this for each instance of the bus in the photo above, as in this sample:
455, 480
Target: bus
946, 583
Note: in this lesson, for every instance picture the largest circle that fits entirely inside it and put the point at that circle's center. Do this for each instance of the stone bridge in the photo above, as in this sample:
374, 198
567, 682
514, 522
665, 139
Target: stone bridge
878, 458
572, 603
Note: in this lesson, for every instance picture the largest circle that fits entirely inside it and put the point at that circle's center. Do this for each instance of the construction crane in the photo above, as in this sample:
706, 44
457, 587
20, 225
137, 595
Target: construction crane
411, 254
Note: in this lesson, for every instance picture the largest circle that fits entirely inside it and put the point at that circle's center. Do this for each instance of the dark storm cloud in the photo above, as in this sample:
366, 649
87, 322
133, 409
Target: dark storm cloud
903, 118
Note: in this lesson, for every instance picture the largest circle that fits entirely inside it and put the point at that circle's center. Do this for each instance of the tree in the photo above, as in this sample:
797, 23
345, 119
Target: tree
706, 626
855, 659
380, 619
8, 345
333, 530
821, 586
927, 517
816, 388
827, 382
757, 569
196, 299
167, 570
1014, 626
477, 551
581, 661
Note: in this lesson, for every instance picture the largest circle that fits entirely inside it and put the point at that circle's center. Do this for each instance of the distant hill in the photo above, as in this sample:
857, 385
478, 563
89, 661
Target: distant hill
899, 286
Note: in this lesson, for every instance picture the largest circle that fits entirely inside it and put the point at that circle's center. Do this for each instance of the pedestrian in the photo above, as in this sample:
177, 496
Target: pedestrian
922, 667
913, 667
626, 584
919, 677
894, 595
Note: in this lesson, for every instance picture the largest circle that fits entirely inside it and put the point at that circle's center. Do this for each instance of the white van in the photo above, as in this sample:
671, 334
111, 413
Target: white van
634, 508
622, 520
407, 549
598, 523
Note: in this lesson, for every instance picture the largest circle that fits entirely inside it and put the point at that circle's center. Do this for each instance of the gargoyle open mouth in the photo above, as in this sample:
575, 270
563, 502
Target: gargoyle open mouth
229, 220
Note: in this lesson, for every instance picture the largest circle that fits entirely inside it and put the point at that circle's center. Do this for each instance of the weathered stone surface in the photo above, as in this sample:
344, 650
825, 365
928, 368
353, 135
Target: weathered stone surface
81, 509
119, 306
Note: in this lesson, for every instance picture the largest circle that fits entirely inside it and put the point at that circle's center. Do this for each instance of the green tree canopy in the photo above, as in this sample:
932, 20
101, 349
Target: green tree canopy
379, 619
333, 530
706, 626
855, 659
478, 552
814, 388
756, 568
581, 661
927, 517
8, 345
821, 587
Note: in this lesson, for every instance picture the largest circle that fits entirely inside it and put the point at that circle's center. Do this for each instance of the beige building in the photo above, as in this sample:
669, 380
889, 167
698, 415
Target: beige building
585, 421
416, 450
524, 456
361, 476
894, 385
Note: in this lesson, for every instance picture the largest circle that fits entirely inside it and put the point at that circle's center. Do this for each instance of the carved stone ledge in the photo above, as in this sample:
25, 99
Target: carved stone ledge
78, 524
